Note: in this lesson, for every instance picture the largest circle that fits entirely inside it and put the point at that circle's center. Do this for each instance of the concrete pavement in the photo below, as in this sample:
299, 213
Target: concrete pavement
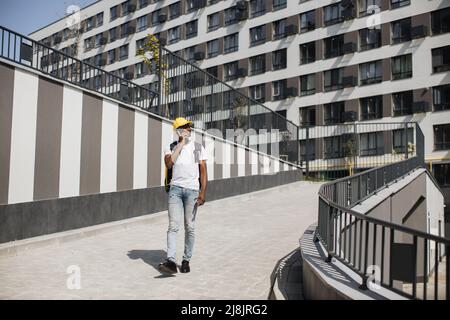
238, 243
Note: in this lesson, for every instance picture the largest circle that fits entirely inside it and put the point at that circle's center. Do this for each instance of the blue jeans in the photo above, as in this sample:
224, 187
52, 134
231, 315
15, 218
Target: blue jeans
182, 201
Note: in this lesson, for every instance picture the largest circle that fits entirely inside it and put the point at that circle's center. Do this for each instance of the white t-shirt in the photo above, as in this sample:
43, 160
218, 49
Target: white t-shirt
185, 170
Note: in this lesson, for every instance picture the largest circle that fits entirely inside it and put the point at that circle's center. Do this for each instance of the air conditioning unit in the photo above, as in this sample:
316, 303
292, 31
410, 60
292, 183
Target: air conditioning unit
290, 92
291, 30
242, 5
420, 106
350, 116
419, 32
198, 56
350, 81
162, 17
349, 47
242, 15
242, 72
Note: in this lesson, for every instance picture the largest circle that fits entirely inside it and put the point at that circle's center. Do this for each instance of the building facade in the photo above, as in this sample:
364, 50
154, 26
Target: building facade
316, 62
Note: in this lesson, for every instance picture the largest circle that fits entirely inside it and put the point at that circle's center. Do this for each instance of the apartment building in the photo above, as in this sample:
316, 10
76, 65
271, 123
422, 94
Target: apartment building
316, 62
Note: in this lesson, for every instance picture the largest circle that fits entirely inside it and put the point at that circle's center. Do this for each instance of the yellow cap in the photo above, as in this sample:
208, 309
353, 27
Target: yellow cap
179, 122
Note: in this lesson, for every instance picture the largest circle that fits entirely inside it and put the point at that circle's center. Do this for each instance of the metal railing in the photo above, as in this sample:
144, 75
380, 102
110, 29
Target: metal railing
338, 150
213, 104
409, 262
25, 51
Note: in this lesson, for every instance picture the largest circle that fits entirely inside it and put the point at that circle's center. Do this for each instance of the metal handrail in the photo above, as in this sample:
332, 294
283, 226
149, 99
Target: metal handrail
29, 50
351, 237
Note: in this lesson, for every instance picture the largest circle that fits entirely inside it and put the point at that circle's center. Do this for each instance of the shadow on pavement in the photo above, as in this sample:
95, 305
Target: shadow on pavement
152, 258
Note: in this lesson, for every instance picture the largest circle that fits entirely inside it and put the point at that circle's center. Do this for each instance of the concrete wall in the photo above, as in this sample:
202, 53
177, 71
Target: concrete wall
73, 158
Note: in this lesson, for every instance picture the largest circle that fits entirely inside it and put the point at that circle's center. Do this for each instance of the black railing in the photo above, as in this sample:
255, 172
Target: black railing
25, 51
215, 105
409, 262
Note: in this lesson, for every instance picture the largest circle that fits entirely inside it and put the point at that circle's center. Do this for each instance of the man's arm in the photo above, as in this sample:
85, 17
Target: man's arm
170, 159
204, 181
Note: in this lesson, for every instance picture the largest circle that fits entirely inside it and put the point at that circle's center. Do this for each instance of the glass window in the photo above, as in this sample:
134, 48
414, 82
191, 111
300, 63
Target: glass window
213, 21
99, 19
399, 3
308, 116
334, 46
279, 58
308, 84
308, 21
370, 72
279, 4
257, 92
402, 103
213, 48
441, 137
258, 64
402, 67
230, 16
332, 14
113, 34
440, 21
278, 28
441, 97
369, 39
114, 12
142, 23
308, 52
140, 69
191, 29
371, 144
258, 35
442, 174
231, 43
371, 108
333, 79
441, 59
230, 70
143, 3
175, 10
401, 30
123, 52
257, 7
399, 142
334, 147
111, 56
367, 7
334, 112
89, 23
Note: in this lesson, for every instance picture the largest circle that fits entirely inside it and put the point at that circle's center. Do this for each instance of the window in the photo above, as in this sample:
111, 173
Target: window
441, 97
308, 116
401, 30
334, 46
257, 7
89, 23
113, 34
140, 70
308, 84
174, 34
88, 44
370, 72
440, 21
142, 23
332, 14
367, 7
114, 12
140, 44
308, 21
442, 174
213, 48
371, 108
257, 35
334, 112
100, 19
123, 52
441, 59
213, 21
175, 10
155, 17
230, 70
231, 43
371, 144
143, 3
125, 7
111, 56
333, 79
402, 67
257, 92
278, 28
279, 4
402, 103
334, 147
399, 142
308, 149
124, 29
308, 52
369, 39
189, 53
278, 89
399, 3
230, 16
258, 64
442, 137
191, 29
279, 58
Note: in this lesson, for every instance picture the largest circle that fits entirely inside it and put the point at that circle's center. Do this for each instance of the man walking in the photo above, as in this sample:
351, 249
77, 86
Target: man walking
185, 162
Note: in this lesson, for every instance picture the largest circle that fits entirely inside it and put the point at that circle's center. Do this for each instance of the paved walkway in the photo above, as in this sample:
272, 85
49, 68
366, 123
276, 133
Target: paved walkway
239, 241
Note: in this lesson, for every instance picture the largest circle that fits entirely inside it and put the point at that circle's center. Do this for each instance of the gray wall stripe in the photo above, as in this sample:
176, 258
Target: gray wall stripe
6, 107
125, 149
218, 159
48, 140
154, 154
91, 139
248, 165
234, 161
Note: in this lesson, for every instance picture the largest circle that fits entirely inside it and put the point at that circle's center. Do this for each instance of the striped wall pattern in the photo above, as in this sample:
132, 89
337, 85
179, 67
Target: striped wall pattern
57, 141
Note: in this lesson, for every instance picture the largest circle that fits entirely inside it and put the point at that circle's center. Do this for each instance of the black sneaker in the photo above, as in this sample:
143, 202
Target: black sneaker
185, 267
168, 267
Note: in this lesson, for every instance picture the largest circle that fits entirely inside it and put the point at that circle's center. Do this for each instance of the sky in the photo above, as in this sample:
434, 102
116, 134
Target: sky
26, 16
